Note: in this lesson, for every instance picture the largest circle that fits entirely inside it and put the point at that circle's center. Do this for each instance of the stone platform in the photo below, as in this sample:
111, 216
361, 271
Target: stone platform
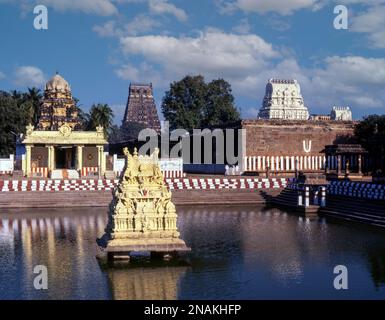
161, 245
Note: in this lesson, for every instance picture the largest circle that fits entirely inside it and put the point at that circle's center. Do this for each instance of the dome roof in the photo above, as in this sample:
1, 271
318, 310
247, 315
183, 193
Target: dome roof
58, 83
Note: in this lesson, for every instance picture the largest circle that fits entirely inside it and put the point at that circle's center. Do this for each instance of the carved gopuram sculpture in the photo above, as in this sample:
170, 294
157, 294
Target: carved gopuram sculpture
141, 215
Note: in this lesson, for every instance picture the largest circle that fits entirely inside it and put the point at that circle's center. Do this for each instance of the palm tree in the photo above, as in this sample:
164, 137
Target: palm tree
34, 95
17, 95
101, 115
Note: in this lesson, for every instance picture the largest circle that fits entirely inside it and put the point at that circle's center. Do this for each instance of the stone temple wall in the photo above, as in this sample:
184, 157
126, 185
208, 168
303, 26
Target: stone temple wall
294, 138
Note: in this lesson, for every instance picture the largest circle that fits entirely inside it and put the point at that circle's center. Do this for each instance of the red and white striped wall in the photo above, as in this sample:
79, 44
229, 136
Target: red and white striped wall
42, 171
87, 170
172, 183
226, 183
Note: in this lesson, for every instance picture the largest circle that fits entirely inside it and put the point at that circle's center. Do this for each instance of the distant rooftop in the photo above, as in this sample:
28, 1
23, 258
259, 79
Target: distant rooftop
141, 85
283, 81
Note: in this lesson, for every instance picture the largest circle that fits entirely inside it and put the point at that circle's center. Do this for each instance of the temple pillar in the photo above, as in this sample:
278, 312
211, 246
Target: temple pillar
51, 158
79, 158
347, 167
101, 161
338, 165
300, 198
323, 196
359, 164
307, 196
315, 198
28, 151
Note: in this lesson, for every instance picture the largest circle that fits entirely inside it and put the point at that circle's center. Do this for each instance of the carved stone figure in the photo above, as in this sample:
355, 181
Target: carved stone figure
142, 216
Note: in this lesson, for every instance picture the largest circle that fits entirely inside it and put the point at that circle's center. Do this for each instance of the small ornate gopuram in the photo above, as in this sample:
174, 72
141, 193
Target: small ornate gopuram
142, 217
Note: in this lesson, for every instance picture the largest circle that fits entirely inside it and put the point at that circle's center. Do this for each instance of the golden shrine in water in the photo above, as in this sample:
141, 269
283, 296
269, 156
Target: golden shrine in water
141, 215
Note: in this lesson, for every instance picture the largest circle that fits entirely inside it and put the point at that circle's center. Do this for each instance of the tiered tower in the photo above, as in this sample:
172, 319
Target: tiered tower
142, 216
58, 107
141, 108
283, 100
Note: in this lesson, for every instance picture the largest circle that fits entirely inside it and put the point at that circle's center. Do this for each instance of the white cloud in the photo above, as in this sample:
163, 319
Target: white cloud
278, 23
351, 80
98, 7
141, 73
248, 61
263, 6
243, 27
128, 72
2, 75
212, 52
29, 76
164, 7
354, 80
140, 24
371, 22
108, 29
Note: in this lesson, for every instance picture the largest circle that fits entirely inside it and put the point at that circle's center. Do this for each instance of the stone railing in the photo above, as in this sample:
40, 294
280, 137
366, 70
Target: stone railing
357, 189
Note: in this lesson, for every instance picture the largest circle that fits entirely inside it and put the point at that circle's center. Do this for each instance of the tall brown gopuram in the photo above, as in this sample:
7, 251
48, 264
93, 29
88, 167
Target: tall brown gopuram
141, 108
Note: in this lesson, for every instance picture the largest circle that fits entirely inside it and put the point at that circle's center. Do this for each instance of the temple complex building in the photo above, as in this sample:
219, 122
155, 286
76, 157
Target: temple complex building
320, 117
341, 113
56, 148
287, 146
141, 108
283, 100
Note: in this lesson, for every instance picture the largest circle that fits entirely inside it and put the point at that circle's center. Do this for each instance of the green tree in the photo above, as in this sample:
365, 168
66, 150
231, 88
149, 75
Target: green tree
183, 104
219, 108
370, 127
101, 115
12, 122
192, 103
34, 96
370, 133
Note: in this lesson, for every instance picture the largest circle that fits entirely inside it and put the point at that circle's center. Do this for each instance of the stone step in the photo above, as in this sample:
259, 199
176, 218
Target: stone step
354, 217
103, 198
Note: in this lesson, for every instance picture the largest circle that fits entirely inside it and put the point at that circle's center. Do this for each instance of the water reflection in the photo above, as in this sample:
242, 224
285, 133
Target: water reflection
145, 283
243, 252
64, 242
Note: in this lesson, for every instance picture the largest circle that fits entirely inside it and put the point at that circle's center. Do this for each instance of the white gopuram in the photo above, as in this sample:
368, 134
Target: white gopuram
283, 100
341, 113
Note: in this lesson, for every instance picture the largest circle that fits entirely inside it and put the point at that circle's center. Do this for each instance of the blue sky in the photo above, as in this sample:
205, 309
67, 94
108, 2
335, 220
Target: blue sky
100, 46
